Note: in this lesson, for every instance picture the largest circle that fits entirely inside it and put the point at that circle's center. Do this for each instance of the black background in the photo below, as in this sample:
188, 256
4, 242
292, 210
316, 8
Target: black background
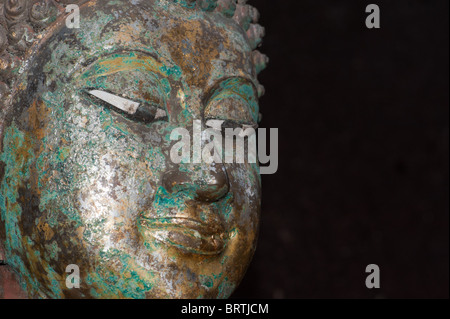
363, 160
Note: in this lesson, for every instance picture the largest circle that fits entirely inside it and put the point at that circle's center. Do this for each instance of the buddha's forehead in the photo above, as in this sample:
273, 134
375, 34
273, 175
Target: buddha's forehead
204, 47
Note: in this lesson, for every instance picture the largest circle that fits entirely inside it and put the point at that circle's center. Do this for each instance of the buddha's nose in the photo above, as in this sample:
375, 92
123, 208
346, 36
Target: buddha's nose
206, 182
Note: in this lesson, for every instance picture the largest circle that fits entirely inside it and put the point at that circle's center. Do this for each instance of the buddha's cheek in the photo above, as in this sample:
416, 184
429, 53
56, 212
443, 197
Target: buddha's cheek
110, 198
246, 188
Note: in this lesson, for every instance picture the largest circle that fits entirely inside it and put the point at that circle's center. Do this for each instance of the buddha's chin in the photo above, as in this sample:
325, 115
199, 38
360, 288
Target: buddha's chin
177, 282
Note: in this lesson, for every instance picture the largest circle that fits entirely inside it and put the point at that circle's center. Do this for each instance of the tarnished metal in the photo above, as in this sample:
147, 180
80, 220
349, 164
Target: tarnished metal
90, 183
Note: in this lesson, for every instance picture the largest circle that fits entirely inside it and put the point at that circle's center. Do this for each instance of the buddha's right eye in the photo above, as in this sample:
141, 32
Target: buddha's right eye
142, 112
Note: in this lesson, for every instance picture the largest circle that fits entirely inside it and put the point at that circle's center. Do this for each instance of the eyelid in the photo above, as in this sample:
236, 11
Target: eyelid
121, 103
229, 109
230, 91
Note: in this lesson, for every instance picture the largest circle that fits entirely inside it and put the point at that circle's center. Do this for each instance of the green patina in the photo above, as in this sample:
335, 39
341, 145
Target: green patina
238, 88
91, 173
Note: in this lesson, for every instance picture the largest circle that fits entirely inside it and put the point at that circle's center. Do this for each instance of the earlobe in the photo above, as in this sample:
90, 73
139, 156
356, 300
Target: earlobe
2, 255
9, 285
2, 242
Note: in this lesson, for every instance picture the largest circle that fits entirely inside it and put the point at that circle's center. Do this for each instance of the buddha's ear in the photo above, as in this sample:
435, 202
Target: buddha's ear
1, 141
2, 242
5, 107
2, 223
9, 284
2, 246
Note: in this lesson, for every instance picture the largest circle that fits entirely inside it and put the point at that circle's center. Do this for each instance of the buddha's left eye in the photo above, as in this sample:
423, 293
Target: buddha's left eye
143, 112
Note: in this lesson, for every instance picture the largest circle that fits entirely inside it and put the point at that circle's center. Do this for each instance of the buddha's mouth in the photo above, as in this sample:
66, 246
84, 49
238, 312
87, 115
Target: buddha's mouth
187, 234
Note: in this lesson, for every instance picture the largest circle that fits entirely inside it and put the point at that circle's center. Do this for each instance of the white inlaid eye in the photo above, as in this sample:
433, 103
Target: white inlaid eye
121, 103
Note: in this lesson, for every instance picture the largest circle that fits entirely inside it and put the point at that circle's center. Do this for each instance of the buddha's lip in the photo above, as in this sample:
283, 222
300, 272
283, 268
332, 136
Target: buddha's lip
187, 234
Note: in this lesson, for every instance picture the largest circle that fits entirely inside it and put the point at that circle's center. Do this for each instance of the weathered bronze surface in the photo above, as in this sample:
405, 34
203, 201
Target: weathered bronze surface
85, 183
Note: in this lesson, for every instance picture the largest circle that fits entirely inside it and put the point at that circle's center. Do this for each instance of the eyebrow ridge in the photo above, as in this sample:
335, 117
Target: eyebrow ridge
86, 65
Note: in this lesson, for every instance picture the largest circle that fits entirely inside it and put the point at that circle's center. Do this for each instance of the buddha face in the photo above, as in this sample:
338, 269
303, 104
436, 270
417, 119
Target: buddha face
86, 173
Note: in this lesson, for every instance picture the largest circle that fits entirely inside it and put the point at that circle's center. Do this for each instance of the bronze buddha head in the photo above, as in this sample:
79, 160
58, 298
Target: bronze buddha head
86, 177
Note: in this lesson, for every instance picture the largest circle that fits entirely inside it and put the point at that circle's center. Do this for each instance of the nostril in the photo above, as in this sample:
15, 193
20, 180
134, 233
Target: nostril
214, 190
208, 184
212, 194
174, 179
215, 184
